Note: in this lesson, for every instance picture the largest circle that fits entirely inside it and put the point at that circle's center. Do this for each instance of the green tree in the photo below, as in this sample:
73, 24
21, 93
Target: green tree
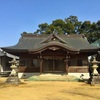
59, 26
42, 28
71, 25
91, 30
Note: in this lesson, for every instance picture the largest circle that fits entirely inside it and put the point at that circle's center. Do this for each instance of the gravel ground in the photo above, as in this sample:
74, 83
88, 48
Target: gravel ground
49, 90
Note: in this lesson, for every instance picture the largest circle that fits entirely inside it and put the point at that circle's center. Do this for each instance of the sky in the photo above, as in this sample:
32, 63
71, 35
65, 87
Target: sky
17, 16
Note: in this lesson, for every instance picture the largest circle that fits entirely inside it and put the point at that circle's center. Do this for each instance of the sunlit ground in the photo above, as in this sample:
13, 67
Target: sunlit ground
49, 90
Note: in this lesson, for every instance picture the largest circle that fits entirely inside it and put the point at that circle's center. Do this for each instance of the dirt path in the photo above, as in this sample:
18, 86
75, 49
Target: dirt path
43, 90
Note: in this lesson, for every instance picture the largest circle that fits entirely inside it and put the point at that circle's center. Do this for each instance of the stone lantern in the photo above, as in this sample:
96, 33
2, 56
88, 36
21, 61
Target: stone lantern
95, 66
13, 77
95, 78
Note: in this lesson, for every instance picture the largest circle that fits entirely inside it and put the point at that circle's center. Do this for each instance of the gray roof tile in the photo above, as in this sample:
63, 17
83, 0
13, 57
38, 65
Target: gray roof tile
74, 42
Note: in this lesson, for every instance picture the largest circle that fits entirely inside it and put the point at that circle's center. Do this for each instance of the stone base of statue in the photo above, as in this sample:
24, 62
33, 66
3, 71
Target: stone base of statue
13, 77
13, 80
95, 79
95, 76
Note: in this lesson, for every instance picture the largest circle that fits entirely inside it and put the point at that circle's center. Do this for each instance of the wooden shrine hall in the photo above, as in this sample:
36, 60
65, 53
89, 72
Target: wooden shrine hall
51, 53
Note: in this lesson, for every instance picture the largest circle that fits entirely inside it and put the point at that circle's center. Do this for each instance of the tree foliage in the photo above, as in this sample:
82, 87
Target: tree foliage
71, 25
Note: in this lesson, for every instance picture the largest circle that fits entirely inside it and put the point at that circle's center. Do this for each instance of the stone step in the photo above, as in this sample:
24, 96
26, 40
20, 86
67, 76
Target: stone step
50, 74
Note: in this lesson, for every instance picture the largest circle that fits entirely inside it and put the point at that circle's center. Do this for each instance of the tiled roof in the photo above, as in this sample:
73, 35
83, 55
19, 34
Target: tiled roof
2, 53
96, 43
33, 42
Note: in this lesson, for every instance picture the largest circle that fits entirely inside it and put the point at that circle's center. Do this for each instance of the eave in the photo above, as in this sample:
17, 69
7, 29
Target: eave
48, 45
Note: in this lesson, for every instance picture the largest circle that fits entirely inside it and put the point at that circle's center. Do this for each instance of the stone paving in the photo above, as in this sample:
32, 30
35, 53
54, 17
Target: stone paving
53, 77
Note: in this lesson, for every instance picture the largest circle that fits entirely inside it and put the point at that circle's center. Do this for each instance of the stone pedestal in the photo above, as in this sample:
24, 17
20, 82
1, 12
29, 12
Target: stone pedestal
95, 79
95, 76
13, 80
13, 77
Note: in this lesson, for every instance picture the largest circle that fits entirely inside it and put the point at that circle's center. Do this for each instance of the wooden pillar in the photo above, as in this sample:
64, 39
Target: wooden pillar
41, 66
53, 65
41, 63
66, 61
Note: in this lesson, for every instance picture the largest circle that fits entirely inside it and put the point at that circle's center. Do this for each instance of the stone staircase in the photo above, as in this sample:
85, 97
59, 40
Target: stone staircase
52, 77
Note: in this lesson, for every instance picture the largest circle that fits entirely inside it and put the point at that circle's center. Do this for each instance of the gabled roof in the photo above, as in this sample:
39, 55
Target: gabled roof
33, 42
96, 43
2, 53
53, 37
